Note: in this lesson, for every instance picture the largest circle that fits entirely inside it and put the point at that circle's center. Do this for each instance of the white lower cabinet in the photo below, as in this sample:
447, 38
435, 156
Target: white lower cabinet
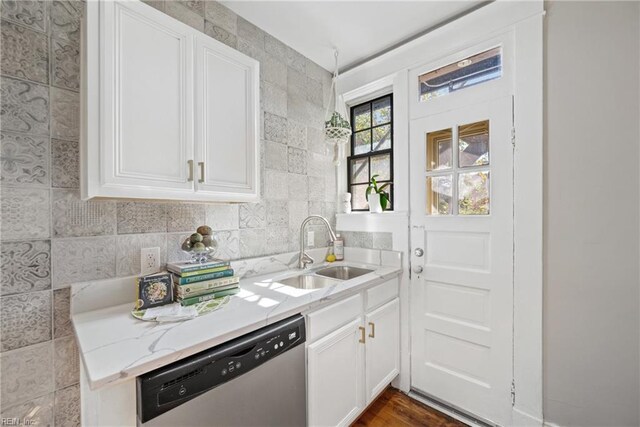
351, 363
335, 367
383, 343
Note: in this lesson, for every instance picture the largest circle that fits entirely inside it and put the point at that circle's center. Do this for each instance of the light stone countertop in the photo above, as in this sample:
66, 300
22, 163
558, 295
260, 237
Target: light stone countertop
114, 346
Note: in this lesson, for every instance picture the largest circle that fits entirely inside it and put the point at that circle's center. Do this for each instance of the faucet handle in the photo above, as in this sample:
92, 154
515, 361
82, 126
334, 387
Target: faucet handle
306, 259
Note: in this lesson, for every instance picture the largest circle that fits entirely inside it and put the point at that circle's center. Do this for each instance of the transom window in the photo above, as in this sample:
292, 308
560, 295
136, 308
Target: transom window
371, 149
458, 169
468, 72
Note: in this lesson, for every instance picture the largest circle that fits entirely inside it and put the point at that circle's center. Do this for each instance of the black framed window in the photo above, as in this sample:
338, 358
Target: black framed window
371, 149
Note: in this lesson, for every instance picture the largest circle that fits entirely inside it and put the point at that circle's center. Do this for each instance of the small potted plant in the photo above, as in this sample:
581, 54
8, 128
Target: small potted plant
337, 129
377, 197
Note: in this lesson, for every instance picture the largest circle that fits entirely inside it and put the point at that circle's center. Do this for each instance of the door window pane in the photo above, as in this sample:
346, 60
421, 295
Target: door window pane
382, 111
381, 166
360, 171
362, 117
439, 195
382, 138
473, 193
358, 197
363, 142
439, 152
473, 144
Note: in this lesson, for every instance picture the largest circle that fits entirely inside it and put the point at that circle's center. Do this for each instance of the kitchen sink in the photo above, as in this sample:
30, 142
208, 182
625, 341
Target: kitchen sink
342, 272
308, 282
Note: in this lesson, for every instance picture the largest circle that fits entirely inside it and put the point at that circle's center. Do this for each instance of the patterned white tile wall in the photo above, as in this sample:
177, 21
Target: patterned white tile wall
51, 239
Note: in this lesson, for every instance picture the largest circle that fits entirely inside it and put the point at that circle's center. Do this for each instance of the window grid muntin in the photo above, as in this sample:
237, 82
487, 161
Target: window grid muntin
372, 153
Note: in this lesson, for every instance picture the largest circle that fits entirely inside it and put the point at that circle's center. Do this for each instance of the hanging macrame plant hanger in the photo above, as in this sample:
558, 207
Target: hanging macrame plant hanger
337, 129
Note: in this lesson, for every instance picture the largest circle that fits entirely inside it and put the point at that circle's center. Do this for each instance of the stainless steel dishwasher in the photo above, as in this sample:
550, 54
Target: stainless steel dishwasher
258, 379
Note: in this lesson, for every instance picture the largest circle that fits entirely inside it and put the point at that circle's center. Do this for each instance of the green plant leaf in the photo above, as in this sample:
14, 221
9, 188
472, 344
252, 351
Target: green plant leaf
373, 183
368, 192
383, 203
383, 187
384, 200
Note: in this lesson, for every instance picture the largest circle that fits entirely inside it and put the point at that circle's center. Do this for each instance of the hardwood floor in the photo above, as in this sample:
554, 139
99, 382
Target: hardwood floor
394, 408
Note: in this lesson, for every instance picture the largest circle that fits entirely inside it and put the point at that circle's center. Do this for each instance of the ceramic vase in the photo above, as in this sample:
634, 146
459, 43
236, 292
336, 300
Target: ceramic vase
345, 202
374, 203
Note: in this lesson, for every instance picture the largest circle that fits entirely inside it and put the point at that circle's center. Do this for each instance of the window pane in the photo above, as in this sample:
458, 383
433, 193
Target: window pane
381, 166
473, 144
439, 195
439, 151
470, 71
358, 197
382, 138
359, 171
363, 142
473, 193
362, 115
382, 111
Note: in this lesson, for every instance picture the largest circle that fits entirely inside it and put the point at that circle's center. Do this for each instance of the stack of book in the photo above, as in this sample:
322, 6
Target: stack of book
195, 283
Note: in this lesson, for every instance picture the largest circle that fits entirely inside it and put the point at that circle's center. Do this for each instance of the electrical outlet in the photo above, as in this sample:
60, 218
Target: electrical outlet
311, 239
149, 260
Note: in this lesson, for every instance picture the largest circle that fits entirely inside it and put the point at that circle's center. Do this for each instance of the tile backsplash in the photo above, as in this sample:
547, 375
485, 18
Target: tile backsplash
51, 238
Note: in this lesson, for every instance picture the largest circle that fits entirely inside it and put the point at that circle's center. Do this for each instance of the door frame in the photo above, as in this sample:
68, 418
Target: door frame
525, 21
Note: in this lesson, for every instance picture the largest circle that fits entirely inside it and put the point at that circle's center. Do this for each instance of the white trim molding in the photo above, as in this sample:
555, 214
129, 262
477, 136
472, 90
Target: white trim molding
524, 21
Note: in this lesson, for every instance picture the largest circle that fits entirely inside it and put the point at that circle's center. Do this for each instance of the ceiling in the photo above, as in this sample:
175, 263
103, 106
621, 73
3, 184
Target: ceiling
359, 29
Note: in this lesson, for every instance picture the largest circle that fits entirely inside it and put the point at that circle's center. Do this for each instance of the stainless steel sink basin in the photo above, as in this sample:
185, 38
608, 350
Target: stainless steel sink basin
308, 282
342, 272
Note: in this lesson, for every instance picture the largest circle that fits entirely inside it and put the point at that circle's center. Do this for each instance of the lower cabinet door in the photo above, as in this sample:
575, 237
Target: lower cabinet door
335, 383
383, 347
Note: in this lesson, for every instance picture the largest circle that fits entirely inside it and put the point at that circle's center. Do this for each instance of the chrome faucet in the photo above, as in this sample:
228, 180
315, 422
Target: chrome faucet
304, 258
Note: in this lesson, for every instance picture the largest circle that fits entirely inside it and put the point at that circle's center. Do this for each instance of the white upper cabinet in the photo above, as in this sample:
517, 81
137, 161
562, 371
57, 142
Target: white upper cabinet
227, 88
169, 113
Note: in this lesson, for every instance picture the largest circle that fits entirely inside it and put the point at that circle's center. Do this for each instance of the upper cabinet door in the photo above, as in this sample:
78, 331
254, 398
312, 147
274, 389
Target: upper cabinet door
146, 102
227, 87
168, 112
149, 114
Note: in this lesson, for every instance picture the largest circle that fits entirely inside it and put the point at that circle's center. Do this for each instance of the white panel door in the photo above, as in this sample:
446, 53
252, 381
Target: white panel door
335, 377
383, 347
147, 104
227, 122
462, 286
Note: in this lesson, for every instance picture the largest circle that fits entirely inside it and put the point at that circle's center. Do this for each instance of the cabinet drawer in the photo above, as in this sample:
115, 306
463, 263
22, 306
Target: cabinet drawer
327, 319
380, 294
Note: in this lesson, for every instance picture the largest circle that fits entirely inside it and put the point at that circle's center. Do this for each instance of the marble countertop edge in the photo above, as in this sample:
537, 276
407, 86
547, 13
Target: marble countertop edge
115, 347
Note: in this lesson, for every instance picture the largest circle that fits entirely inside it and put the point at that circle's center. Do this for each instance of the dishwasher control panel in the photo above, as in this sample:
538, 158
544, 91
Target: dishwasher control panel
169, 386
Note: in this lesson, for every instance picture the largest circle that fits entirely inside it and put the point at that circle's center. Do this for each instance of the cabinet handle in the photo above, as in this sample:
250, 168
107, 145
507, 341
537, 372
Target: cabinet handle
190, 163
361, 334
201, 164
373, 330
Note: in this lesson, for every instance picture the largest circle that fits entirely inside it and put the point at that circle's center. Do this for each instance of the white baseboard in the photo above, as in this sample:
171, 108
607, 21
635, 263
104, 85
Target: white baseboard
448, 411
523, 419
